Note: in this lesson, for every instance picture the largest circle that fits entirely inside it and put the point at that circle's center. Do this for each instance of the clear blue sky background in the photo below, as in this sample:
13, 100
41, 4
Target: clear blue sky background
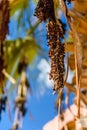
41, 109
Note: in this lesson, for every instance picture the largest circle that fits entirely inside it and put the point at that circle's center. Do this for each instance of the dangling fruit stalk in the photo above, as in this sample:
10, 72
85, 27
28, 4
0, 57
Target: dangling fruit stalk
55, 32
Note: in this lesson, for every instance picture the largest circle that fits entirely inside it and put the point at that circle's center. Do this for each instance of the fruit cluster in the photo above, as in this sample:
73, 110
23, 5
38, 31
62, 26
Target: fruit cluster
45, 10
55, 32
56, 54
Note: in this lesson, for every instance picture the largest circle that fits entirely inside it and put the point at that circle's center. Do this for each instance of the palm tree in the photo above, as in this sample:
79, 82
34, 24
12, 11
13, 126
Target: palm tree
66, 44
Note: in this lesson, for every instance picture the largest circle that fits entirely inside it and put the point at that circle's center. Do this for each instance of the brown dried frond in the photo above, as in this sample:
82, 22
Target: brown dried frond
45, 10
4, 18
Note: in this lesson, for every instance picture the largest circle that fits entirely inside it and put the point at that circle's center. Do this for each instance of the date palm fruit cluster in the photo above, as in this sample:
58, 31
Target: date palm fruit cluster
56, 54
4, 20
44, 10
55, 33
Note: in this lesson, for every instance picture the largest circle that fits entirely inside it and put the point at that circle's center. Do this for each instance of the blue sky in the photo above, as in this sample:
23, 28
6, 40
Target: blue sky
42, 110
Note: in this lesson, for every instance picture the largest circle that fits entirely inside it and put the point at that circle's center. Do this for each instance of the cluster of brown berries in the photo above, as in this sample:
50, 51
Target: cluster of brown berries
45, 10
55, 32
56, 54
